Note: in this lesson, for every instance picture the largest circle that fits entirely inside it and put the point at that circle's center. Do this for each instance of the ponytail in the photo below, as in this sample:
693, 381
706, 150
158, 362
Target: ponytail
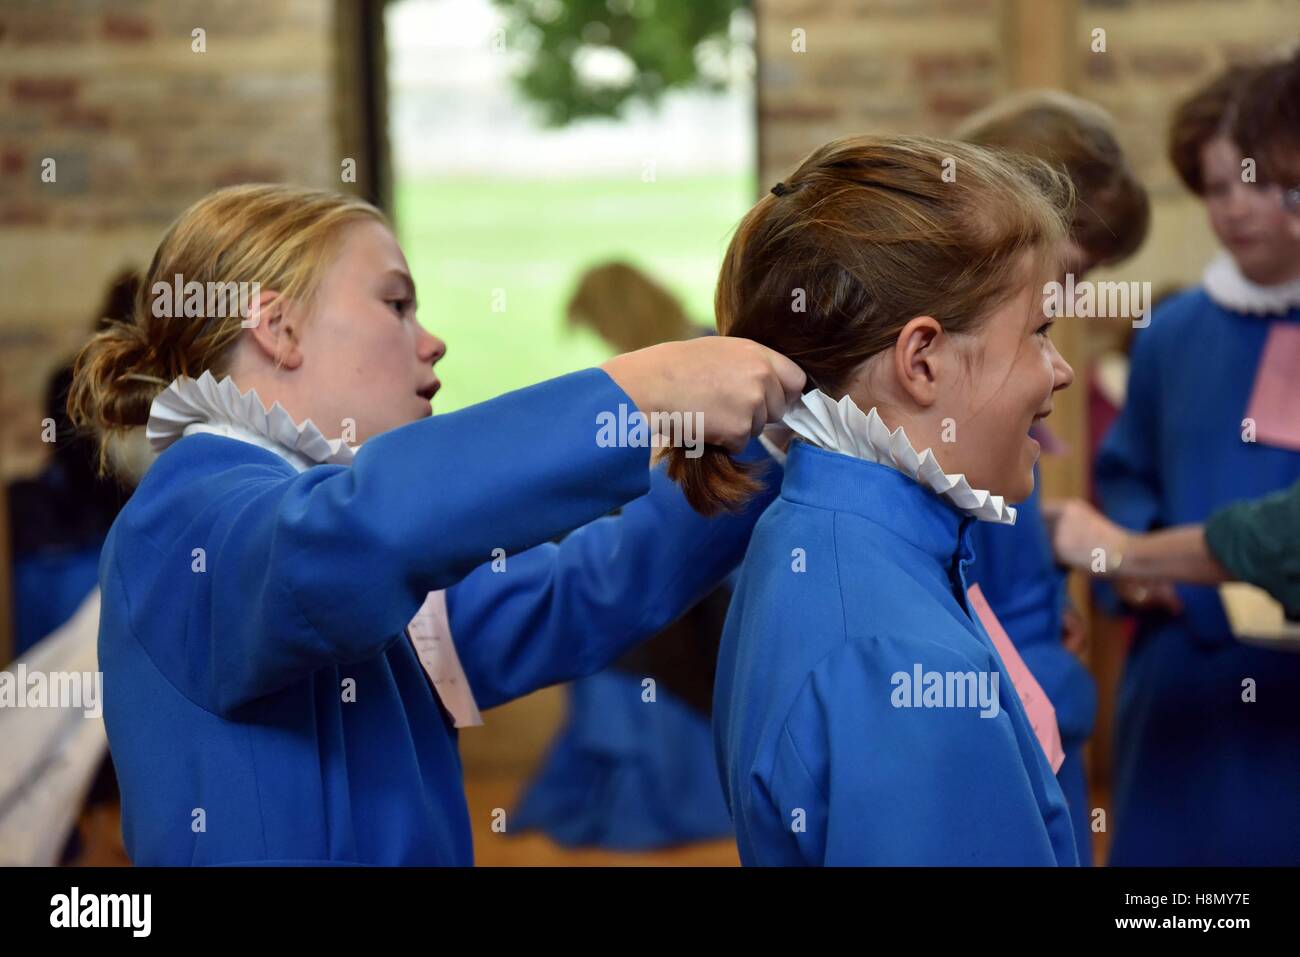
713, 482
114, 382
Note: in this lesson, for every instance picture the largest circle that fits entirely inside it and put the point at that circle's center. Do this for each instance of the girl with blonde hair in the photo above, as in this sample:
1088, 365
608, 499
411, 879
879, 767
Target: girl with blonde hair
284, 674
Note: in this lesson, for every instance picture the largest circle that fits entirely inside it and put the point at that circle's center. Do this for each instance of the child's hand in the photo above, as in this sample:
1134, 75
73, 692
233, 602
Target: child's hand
1149, 595
735, 386
1077, 530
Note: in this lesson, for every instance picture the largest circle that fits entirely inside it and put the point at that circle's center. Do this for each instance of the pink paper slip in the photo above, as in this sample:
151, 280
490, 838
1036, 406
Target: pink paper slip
430, 634
1042, 716
1275, 399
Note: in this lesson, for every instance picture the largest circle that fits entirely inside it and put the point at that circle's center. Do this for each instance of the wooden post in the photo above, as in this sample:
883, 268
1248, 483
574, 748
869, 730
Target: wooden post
6, 580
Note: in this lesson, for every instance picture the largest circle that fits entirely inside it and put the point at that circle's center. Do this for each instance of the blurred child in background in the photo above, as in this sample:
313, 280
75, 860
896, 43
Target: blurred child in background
58, 520
633, 768
1013, 563
1207, 769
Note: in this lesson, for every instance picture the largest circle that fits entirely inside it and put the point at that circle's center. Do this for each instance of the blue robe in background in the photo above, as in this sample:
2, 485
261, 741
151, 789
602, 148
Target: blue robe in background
1018, 574
632, 770
262, 702
1201, 776
48, 586
625, 773
819, 765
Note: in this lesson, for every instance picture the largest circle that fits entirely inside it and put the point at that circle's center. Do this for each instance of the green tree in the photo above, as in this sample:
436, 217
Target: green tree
660, 38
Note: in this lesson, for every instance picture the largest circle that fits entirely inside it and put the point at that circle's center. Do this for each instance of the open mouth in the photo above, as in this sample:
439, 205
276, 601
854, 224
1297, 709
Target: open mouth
1037, 420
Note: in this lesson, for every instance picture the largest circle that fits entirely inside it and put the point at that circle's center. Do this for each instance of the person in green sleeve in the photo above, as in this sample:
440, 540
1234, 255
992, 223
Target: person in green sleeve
1255, 541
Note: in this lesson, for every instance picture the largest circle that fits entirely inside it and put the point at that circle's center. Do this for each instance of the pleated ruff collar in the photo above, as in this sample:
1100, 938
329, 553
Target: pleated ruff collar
205, 405
1227, 287
840, 426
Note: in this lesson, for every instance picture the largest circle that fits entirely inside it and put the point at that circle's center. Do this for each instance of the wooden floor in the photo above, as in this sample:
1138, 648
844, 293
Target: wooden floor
494, 849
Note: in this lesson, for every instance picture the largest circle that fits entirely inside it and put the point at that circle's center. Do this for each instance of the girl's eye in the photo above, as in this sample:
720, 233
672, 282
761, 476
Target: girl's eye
400, 305
1044, 329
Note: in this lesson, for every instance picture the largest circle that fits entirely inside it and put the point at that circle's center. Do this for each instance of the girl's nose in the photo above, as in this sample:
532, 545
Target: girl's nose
1241, 201
1064, 374
429, 347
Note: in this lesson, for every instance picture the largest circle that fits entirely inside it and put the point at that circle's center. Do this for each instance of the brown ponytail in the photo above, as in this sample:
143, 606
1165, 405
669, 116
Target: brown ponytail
713, 482
868, 233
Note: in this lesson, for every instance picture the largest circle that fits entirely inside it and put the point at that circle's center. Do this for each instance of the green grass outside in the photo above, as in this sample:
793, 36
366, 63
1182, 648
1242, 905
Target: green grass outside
466, 238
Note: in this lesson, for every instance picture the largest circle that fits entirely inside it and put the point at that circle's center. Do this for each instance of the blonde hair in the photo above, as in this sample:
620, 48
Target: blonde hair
627, 308
870, 233
278, 236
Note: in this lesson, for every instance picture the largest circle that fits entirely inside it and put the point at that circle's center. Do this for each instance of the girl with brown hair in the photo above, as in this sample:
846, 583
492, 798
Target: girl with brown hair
863, 714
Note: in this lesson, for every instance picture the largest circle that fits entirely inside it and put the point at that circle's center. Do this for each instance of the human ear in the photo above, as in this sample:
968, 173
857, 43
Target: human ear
274, 328
916, 359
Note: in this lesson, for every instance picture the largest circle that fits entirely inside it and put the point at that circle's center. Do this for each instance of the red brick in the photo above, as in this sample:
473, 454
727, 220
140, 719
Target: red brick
237, 173
23, 214
954, 106
12, 161
91, 119
46, 89
1176, 63
123, 28
951, 65
34, 27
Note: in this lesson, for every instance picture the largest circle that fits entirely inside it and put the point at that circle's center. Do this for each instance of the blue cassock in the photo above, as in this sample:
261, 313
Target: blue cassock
224, 687
1017, 572
819, 764
627, 775
1201, 776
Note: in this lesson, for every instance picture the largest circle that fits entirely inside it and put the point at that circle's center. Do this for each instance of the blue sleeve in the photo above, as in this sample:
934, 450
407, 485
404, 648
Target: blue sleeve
1128, 463
563, 611
894, 786
329, 566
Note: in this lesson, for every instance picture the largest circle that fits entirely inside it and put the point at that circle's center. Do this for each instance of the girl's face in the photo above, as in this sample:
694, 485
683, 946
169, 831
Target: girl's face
1007, 384
365, 358
1249, 219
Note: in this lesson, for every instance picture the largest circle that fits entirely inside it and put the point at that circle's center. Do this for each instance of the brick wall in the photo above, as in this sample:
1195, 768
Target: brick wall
139, 125
912, 66
1158, 51
919, 66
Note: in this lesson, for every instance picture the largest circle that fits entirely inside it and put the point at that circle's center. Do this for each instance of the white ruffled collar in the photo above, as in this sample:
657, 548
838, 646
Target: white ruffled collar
843, 427
188, 406
1227, 287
